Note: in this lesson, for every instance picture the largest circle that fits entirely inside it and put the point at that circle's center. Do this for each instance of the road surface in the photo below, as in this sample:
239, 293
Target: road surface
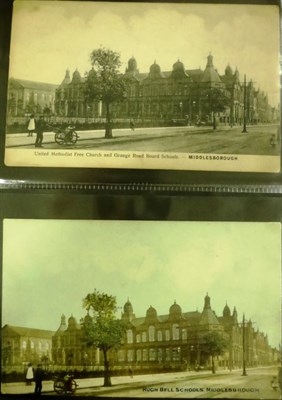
224, 140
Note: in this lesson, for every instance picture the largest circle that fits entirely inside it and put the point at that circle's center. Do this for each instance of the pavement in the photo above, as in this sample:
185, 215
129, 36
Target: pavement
22, 139
118, 382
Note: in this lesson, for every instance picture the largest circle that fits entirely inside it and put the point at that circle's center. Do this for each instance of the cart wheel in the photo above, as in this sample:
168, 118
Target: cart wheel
59, 386
72, 386
74, 137
60, 138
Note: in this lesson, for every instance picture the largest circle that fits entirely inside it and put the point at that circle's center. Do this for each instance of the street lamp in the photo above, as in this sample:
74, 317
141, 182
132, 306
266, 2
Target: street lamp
244, 347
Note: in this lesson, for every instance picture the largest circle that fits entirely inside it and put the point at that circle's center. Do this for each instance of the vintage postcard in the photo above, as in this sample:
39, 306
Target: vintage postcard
141, 309
173, 86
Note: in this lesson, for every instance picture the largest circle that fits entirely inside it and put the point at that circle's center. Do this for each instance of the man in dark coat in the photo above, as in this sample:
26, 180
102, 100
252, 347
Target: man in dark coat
40, 128
38, 377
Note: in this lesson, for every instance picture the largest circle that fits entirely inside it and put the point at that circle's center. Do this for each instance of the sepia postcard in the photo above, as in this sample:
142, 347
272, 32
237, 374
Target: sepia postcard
195, 308
144, 85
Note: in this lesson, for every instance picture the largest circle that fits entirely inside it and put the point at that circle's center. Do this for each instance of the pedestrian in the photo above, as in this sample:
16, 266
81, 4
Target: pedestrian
132, 127
31, 125
40, 128
274, 383
38, 377
29, 374
130, 372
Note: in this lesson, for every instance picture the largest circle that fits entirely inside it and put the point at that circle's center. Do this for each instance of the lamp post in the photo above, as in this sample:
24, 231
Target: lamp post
244, 347
245, 107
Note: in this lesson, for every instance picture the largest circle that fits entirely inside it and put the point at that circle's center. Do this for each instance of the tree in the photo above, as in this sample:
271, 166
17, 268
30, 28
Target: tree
101, 328
214, 345
104, 82
215, 100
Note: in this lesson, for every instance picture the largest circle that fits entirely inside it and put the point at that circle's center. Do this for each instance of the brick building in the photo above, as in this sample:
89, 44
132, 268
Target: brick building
181, 95
21, 346
174, 339
29, 97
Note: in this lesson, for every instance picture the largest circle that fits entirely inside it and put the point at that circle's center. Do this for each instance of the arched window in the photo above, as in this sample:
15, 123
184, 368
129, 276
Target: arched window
31, 344
175, 332
184, 334
167, 335
144, 353
152, 354
24, 345
160, 355
167, 354
144, 337
151, 331
160, 336
138, 338
130, 357
129, 336
39, 346
121, 355
138, 355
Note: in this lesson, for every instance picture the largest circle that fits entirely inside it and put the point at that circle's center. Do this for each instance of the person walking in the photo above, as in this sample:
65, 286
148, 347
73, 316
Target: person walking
132, 126
38, 377
31, 125
29, 374
40, 128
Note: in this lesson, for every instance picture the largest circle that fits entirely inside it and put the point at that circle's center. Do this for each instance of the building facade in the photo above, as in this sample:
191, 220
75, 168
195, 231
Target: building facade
181, 95
67, 347
29, 97
172, 340
21, 346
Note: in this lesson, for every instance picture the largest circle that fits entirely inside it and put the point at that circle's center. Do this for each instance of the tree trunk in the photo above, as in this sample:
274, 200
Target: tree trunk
107, 376
213, 366
108, 132
213, 121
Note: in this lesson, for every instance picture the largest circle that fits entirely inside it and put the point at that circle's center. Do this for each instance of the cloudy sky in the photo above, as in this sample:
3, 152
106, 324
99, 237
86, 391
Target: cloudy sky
50, 36
49, 266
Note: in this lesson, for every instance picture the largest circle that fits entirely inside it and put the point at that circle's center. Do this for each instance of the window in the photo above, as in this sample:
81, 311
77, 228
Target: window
138, 338
35, 98
167, 354
175, 332
121, 355
144, 337
151, 333
144, 354
129, 336
152, 355
176, 354
184, 334
167, 335
160, 355
138, 355
24, 345
130, 357
31, 344
160, 336
39, 346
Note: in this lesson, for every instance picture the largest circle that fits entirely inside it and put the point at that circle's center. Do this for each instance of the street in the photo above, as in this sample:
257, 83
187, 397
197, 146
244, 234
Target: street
257, 385
187, 384
224, 140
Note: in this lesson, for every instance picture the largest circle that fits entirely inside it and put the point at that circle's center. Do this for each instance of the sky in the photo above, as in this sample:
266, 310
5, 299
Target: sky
49, 266
50, 36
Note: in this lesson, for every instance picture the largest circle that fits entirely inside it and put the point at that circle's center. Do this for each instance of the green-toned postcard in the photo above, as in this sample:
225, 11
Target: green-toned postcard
141, 309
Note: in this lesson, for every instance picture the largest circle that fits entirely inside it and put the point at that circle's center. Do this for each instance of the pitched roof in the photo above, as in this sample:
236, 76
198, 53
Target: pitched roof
34, 85
31, 332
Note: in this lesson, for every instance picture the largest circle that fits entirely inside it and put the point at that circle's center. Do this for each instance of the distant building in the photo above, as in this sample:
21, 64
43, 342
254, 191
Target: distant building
181, 95
23, 345
29, 97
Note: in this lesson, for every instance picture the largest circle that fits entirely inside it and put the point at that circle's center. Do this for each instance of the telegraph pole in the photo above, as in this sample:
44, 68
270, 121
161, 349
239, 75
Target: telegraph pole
245, 107
244, 348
